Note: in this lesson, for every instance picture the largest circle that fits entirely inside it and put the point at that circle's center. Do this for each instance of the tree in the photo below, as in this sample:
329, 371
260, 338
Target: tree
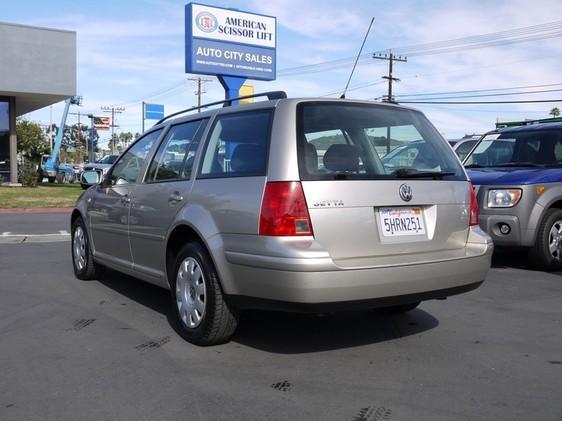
77, 136
125, 138
32, 142
555, 112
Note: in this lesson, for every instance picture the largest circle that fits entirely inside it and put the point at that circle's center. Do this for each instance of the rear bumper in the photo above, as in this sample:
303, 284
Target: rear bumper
319, 281
245, 302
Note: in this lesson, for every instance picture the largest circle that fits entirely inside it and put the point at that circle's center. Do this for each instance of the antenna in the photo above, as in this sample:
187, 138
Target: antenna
357, 58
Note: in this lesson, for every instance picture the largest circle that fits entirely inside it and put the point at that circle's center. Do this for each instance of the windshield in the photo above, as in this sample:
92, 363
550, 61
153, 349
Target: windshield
533, 148
108, 159
358, 141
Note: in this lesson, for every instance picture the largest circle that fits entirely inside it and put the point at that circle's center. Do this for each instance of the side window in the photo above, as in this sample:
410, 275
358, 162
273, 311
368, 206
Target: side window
238, 145
464, 148
558, 150
176, 153
128, 168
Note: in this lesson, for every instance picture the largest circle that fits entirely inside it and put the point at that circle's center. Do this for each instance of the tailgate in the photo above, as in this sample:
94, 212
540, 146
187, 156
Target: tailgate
366, 222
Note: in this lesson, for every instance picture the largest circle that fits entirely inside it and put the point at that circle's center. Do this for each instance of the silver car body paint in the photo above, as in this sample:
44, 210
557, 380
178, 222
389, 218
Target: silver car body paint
347, 258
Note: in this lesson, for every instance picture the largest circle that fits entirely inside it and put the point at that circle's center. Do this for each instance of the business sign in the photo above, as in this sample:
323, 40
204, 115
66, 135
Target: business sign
153, 111
102, 123
229, 42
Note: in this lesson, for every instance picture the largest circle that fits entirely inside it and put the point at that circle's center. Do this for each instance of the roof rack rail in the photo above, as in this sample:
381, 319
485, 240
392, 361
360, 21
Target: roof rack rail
228, 102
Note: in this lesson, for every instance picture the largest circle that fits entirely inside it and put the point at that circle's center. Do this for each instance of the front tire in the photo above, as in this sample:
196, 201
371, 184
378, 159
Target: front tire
85, 267
201, 312
547, 251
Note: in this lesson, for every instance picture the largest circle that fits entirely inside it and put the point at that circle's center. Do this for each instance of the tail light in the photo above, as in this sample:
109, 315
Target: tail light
473, 218
284, 211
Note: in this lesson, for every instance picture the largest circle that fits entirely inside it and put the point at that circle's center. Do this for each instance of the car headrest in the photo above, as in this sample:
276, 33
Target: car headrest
342, 158
247, 158
311, 157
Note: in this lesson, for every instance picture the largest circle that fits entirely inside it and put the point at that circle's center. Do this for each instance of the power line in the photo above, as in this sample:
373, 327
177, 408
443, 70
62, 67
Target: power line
531, 33
530, 101
523, 34
493, 95
154, 94
354, 88
479, 90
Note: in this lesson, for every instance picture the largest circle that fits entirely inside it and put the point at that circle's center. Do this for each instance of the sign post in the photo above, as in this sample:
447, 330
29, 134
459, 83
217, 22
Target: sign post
151, 112
231, 44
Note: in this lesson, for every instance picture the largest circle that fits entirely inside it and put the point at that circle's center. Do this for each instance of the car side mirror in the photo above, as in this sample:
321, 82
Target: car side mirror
90, 178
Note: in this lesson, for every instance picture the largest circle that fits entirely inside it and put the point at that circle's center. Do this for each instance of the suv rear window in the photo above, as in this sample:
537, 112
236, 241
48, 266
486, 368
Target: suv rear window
540, 148
238, 145
361, 141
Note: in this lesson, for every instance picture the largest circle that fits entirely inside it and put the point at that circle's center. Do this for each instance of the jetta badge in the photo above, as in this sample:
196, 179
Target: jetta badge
405, 192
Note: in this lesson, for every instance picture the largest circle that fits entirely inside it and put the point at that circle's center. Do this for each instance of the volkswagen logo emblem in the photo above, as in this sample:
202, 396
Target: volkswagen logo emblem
405, 192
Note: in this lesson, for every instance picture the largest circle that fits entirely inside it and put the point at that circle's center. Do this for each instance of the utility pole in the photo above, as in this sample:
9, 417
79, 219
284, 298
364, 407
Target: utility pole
91, 151
391, 58
389, 97
113, 110
199, 92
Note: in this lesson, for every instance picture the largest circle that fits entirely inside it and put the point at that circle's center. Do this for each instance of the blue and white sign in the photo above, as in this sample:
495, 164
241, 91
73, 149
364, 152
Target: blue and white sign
153, 111
229, 42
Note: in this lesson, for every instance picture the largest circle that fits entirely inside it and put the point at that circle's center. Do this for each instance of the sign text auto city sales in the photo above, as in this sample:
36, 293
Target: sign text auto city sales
230, 42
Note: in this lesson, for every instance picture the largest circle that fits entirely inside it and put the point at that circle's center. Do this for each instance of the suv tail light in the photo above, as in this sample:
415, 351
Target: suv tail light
473, 218
284, 211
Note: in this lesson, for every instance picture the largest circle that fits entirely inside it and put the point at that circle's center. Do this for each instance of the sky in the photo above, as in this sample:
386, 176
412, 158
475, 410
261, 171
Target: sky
133, 50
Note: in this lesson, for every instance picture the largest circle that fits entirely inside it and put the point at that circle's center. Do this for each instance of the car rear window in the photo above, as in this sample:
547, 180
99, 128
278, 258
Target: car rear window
363, 141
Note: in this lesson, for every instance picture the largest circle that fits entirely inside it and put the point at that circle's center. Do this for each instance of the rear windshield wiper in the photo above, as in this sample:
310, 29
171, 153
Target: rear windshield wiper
519, 164
411, 173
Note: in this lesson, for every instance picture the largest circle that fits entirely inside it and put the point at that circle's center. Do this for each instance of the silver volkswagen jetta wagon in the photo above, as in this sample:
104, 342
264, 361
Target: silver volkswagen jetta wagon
285, 204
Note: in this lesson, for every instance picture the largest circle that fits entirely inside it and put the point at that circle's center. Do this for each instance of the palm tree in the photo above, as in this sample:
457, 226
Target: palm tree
555, 112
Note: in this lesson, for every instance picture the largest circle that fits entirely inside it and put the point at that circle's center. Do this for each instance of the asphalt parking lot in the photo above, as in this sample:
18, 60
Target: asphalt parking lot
106, 350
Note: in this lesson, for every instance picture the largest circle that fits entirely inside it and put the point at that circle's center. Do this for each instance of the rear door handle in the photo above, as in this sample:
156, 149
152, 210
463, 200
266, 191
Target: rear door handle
175, 197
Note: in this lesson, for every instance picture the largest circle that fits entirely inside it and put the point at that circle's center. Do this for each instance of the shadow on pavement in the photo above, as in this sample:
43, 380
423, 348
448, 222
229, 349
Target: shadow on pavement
506, 258
290, 333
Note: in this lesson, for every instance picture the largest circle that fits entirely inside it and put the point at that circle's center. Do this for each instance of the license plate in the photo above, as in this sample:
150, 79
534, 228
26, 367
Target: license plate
401, 221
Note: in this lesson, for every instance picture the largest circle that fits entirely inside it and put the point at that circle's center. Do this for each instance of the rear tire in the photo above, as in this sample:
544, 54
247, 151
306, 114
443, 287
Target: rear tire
85, 267
201, 312
547, 250
52, 179
402, 308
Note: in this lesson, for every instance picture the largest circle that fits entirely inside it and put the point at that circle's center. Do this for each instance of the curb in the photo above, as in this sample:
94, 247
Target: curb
35, 210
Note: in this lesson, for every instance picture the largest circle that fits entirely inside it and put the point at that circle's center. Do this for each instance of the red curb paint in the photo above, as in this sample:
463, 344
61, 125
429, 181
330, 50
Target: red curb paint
35, 210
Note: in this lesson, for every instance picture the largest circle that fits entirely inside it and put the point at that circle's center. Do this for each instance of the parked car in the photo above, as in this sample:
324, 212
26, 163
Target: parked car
463, 147
283, 204
102, 166
518, 176
404, 156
